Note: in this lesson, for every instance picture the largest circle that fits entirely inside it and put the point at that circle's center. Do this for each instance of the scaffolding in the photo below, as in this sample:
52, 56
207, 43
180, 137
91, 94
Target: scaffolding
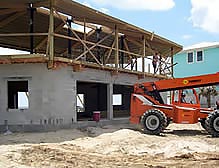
64, 32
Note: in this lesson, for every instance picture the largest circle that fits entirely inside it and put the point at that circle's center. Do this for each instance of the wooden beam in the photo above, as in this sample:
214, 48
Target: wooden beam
117, 48
51, 35
127, 48
11, 18
76, 35
93, 46
8, 11
22, 34
110, 52
78, 43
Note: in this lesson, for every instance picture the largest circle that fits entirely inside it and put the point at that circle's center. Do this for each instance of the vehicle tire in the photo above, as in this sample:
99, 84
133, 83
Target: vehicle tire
153, 121
212, 124
203, 123
168, 122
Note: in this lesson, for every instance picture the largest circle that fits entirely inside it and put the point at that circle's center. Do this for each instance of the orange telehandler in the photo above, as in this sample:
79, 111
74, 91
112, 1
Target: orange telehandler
149, 109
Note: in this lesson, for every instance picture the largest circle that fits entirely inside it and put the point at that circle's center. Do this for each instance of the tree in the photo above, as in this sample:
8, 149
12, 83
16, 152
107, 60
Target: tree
208, 92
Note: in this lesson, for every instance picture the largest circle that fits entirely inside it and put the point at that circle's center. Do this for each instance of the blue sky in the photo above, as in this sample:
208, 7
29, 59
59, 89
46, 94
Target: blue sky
186, 22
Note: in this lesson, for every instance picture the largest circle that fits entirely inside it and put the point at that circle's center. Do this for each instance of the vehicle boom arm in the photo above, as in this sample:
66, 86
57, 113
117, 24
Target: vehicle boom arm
179, 83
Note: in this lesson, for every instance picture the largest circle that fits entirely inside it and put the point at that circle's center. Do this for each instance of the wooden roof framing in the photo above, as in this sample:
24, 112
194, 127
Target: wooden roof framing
15, 31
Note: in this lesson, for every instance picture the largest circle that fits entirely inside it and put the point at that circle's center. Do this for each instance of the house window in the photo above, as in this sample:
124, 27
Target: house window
199, 56
18, 95
190, 57
117, 99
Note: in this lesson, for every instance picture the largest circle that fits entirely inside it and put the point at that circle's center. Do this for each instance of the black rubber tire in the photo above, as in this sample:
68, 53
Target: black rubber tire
203, 123
153, 121
168, 122
212, 124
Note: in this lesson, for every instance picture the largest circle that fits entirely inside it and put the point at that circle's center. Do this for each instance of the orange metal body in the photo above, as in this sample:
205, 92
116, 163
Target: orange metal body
147, 96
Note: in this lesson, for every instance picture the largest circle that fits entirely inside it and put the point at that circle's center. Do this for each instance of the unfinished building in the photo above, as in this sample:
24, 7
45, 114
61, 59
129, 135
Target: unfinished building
79, 60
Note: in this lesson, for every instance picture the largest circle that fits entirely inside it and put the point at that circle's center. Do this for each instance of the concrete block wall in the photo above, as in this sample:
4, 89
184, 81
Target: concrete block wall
52, 99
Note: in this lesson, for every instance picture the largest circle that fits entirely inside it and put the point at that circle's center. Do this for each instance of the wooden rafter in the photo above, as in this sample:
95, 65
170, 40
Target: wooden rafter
9, 10
10, 18
110, 52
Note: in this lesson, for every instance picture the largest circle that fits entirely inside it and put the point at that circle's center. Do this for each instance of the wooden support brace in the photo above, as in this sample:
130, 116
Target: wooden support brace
51, 36
84, 44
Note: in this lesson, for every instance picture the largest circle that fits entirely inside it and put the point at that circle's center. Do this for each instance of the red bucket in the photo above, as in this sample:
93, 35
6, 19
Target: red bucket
96, 116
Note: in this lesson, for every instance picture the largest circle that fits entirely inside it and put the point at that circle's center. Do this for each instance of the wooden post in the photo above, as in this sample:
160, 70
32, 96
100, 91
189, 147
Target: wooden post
51, 35
122, 48
117, 49
143, 55
172, 61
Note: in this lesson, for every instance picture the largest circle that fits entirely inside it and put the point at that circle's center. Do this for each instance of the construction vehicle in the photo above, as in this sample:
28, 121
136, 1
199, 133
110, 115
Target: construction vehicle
149, 109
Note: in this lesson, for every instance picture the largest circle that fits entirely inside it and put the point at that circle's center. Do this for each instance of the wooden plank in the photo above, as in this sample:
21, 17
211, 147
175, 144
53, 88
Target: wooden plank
22, 34
110, 52
51, 35
117, 48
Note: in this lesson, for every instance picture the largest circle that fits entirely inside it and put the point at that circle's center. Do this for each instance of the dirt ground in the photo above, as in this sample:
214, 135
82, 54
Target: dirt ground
110, 147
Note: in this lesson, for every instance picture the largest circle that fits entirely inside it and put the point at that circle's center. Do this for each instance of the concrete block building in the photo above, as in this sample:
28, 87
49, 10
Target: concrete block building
67, 74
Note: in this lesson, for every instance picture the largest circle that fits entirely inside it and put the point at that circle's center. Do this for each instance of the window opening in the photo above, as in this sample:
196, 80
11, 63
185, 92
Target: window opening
190, 57
199, 56
18, 95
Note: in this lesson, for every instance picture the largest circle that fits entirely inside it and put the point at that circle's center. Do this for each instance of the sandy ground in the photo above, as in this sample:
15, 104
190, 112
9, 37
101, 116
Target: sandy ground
110, 147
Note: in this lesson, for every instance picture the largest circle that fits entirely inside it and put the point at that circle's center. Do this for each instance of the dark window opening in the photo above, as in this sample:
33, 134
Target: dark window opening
91, 97
121, 100
199, 56
18, 95
190, 57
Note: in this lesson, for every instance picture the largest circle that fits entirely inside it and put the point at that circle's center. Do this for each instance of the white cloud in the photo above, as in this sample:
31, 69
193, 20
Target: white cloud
204, 15
154, 5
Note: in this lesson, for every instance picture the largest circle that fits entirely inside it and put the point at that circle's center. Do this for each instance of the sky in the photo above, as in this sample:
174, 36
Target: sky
186, 22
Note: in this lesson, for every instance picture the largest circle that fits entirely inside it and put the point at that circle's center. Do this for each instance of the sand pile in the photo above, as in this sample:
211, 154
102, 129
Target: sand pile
108, 147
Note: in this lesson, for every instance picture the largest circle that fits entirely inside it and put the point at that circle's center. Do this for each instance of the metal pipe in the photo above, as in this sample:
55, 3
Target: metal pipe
31, 24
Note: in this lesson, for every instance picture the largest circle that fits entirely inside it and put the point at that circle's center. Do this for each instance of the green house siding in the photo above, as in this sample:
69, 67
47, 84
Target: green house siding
210, 63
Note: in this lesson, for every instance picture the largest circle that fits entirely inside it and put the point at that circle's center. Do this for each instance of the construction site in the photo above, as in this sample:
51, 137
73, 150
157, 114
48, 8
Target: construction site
78, 61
